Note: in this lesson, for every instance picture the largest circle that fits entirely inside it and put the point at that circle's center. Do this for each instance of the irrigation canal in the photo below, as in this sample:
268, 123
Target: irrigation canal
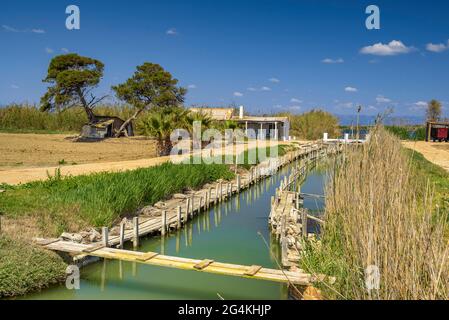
233, 231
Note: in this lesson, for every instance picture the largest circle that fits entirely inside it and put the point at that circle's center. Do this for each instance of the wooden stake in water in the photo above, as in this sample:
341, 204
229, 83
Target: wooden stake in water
179, 217
187, 208
105, 236
122, 235
238, 183
136, 231
164, 223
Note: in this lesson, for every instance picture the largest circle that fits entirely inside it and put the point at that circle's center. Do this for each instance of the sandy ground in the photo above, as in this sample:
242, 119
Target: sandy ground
37, 156
436, 152
40, 150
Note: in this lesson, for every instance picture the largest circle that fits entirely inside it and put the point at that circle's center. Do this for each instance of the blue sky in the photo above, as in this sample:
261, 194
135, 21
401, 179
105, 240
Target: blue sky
270, 56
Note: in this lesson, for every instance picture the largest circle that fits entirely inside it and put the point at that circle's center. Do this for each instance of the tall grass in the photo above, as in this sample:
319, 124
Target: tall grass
28, 118
72, 203
380, 212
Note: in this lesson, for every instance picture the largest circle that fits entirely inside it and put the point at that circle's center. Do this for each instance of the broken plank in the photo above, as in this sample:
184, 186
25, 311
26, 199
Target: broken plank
203, 264
94, 247
252, 270
147, 256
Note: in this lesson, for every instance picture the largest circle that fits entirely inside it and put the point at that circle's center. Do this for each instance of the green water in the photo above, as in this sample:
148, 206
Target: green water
232, 232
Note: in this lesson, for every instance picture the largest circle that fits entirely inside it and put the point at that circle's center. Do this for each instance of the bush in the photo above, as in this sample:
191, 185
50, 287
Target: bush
25, 268
311, 125
408, 132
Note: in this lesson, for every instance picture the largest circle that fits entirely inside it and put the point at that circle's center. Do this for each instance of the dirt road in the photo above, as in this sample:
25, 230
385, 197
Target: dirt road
34, 151
436, 152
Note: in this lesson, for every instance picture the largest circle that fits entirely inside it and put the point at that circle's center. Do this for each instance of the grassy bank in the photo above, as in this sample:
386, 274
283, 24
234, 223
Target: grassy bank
71, 203
383, 210
25, 268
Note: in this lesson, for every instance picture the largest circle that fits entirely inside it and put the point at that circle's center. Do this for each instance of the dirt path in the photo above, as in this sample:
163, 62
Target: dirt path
14, 176
436, 152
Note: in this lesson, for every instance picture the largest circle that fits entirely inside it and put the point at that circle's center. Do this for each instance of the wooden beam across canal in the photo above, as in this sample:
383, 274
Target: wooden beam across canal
206, 265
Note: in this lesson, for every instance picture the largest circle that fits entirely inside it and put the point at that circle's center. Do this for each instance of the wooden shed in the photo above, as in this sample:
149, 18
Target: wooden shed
105, 127
437, 131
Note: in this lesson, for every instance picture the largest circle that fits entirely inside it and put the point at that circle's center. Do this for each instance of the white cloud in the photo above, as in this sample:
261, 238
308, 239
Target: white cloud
332, 61
382, 99
421, 104
14, 86
393, 48
9, 29
295, 107
238, 94
351, 89
49, 50
294, 100
192, 86
65, 50
277, 106
172, 32
12, 29
252, 89
440, 47
274, 80
265, 89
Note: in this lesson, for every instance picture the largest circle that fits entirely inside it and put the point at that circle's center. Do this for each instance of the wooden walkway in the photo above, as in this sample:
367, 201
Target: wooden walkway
152, 258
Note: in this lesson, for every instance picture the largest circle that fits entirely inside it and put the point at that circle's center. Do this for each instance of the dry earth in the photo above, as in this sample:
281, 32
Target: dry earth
436, 152
30, 157
39, 150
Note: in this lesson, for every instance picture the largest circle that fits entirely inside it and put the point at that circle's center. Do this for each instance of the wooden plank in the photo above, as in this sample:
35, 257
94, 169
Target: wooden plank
203, 264
45, 242
147, 256
94, 248
253, 270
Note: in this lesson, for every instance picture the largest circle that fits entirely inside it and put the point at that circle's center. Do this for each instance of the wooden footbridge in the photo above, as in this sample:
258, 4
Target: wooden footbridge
155, 259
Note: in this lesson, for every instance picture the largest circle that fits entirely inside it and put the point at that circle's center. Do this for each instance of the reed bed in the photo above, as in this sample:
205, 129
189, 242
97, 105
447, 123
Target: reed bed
28, 118
72, 203
381, 213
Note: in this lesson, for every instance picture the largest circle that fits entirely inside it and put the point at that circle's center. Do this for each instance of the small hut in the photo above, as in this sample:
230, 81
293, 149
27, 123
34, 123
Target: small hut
105, 127
437, 131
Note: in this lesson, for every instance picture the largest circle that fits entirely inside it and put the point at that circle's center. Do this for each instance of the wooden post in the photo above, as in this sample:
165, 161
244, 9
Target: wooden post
105, 234
187, 209
209, 197
201, 204
297, 200
193, 205
136, 231
221, 191
216, 193
164, 223
304, 223
238, 183
179, 218
122, 235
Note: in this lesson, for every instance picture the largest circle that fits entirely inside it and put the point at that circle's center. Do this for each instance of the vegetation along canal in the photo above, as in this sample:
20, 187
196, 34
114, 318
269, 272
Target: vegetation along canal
230, 232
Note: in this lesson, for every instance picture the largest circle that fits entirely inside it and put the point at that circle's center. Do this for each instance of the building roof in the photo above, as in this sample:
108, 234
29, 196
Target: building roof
229, 114
216, 113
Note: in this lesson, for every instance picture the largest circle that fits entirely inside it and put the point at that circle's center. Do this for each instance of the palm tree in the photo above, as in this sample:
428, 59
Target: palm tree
160, 124
206, 123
